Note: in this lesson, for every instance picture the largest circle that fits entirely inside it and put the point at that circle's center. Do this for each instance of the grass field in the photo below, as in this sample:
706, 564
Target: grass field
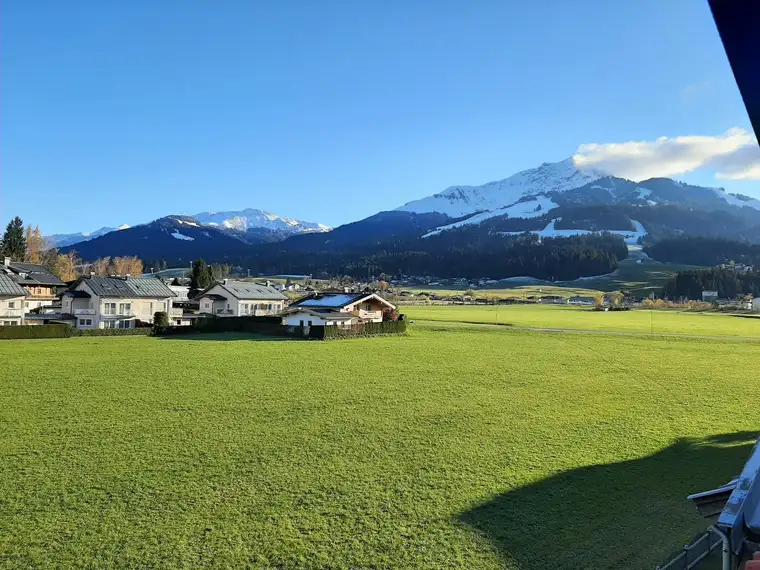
583, 318
452, 447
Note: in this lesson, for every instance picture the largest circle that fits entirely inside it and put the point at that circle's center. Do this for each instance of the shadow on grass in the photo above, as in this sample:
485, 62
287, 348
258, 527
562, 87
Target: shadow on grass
227, 336
755, 317
631, 514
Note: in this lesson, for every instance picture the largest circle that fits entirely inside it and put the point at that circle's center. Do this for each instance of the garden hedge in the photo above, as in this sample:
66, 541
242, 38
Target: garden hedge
140, 331
361, 330
35, 331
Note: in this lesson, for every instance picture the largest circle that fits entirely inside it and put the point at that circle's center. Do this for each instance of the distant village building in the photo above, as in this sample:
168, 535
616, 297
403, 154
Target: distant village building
709, 296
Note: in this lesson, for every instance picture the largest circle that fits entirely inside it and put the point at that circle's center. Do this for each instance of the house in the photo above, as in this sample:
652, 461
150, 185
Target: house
581, 301
755, 304
117, 302
12, 297
41, 284
230, 298
336, 309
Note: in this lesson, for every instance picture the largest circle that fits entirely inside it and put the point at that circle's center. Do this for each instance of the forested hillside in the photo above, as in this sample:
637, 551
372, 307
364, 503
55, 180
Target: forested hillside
727, 282
706, 251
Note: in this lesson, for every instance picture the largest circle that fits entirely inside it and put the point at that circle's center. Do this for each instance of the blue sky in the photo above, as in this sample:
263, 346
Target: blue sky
121, 112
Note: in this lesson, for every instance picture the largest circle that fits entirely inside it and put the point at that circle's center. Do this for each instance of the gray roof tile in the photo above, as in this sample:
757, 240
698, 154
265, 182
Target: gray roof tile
9, 287
128, 287
247, 290
35, 274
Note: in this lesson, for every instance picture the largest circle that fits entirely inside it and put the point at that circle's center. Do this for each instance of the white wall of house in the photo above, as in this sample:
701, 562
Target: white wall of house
11, 310
234, 307
756, 304
112, 312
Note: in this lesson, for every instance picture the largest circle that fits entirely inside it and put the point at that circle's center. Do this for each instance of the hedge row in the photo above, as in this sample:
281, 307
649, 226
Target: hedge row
140, 331
64, 331
360, 330
35, 331
260, 325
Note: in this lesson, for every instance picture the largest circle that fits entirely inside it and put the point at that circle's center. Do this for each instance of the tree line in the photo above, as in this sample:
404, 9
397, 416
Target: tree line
707, 251
727, 282
468, 252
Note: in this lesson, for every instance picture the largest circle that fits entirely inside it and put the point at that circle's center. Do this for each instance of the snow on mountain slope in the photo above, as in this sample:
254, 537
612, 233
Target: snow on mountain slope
531, 208
551, 230
737, 200
458, 201
254, 218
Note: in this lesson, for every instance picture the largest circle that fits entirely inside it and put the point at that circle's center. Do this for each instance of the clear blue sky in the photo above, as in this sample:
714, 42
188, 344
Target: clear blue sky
121, 112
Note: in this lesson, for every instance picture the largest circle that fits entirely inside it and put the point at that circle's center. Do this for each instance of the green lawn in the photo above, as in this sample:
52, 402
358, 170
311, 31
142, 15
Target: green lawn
583, 318
452, 447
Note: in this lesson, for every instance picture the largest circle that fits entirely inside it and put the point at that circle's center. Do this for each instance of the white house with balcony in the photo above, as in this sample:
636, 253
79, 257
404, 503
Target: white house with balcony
339, 309
12, 296
230, 298
117, 302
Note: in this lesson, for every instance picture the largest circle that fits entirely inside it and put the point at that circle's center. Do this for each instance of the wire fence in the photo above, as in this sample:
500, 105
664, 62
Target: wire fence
694, 554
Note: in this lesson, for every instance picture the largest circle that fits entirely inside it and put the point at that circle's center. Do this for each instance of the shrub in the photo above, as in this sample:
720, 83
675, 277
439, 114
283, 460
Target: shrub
160, 319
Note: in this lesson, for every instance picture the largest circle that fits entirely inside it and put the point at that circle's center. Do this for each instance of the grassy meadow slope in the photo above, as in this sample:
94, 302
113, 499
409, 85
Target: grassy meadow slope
467, 447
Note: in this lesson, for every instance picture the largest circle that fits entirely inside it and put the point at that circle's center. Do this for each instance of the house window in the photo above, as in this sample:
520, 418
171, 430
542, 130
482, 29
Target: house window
309, 323
109, 325
269, 307
207, 305
11, 304
109, 309
125, 308
85, 322
26, 304
301, 322
125, 325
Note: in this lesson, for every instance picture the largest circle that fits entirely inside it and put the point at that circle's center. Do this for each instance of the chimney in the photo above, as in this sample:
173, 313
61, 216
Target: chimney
224, 281
127, 275
7, 261
92, 274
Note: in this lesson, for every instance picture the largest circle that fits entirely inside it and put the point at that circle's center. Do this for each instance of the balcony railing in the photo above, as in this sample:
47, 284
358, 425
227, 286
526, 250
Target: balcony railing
176, 312
119, 313
78, 312
12, 313
369, 314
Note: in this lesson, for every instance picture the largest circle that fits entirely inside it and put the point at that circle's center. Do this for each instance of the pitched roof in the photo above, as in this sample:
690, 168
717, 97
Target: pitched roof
245, 290
330, 300
127, 287
9, 287
336, 300
35, 274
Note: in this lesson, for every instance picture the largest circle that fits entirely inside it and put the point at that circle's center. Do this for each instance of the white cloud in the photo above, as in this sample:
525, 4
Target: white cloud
734, 155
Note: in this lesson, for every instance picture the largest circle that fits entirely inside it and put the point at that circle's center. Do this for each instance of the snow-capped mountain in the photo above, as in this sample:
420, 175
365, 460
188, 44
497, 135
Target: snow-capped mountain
249, 220
243, 220
556, 186
62, 240
458, 201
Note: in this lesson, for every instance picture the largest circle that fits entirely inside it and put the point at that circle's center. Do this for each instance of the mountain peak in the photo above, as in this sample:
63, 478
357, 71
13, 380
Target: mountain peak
458, 201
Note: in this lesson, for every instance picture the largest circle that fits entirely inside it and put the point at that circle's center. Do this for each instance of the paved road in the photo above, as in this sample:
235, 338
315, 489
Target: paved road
587, 331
